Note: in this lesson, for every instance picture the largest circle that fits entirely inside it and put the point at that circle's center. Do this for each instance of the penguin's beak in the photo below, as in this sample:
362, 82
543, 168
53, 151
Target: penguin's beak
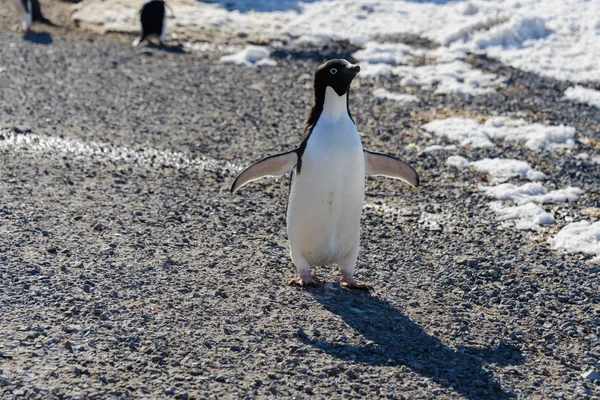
355, 69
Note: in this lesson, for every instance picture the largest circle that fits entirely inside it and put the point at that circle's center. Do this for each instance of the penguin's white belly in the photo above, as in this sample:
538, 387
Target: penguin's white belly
326, 198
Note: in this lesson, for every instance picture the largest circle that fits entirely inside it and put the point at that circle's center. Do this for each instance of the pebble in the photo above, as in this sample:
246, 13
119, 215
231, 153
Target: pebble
591, 375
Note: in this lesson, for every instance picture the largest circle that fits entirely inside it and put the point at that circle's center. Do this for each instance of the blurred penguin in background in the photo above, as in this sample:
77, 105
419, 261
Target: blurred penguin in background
153, 17
24, 7
30, 11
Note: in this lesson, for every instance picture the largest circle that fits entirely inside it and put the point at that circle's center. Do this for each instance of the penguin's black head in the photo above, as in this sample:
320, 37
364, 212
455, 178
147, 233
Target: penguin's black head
335, 73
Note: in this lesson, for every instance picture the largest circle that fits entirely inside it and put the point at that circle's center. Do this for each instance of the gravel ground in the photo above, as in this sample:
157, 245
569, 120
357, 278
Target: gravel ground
128, 270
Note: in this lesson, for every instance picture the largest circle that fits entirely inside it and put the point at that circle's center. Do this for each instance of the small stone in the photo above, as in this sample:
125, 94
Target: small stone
478, 383
591, 375
69, 346
99, 228
21, 129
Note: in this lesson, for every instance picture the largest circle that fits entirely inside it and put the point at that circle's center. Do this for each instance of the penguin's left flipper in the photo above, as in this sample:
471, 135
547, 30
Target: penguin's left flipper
271, 166
382, 164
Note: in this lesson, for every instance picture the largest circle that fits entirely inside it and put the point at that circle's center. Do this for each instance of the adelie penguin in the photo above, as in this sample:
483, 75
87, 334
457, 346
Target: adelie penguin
328, 172
26, 10
153, 16
30, 11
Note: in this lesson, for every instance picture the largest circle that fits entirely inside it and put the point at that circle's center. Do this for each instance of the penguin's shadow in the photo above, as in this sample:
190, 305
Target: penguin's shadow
174, 48
38, 37
394, 340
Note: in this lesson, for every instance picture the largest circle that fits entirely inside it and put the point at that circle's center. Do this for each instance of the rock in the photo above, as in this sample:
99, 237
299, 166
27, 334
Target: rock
591, 375
22, 129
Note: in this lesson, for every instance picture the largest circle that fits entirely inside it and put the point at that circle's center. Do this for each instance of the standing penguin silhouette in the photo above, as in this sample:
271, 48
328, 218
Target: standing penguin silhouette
30, 11
328, 179
153, 17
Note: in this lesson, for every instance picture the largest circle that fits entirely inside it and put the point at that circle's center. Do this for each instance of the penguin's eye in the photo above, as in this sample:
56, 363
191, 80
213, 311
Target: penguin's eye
333, 71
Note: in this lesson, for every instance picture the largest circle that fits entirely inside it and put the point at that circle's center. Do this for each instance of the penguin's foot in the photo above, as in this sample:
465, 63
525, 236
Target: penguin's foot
354, 284
304, 281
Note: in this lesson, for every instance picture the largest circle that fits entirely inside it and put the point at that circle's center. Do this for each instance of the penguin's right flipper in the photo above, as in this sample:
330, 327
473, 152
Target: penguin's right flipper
271, 166
382, 164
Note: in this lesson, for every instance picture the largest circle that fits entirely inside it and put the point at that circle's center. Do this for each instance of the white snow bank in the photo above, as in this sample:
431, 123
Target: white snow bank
578, 237
398, 97
251, 55
503, 169
584, 95
526, 217
457, 161
531, 192
469, 132
559, 39
514, 33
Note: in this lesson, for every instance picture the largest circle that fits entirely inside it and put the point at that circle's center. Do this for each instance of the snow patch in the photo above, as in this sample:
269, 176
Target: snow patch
437, 147
504, 169
583, 95
398, 97
469, 132
579, 237
250, 56
456, 77
314, 39
514, 33
374, 70
457, 161
531, 192
526, 217
107, 152
385, 53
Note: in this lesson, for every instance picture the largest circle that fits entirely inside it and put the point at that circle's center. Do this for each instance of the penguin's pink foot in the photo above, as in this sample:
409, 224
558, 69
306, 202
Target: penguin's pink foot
304, 281
354, 284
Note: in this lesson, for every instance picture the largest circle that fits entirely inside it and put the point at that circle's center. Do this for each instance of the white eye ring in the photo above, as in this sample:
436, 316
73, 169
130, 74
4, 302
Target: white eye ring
333, 71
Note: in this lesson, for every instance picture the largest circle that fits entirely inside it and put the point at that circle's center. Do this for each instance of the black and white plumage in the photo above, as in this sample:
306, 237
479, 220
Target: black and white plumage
31, 11
26, 10
328, 179
153, 17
